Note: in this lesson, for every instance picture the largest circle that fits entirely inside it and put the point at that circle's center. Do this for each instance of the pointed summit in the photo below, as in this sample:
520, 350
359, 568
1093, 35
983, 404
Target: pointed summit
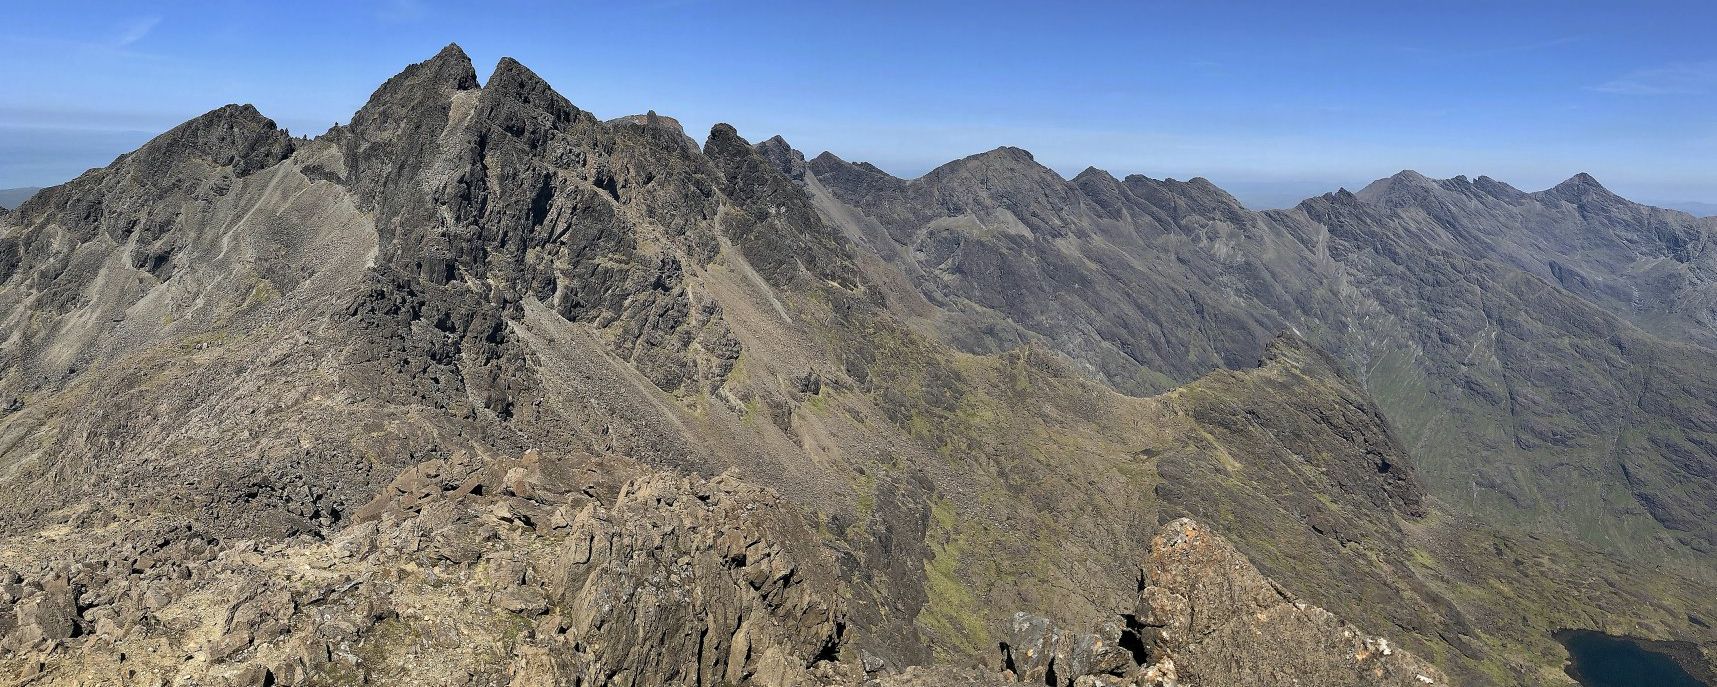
236, 136
452, 54
426, 85
451, 68
1004, 160
999, 154
1581, 188
514, 82
1094, 174
782, 155
1398, 189
1582, 180
513, 77
393, 132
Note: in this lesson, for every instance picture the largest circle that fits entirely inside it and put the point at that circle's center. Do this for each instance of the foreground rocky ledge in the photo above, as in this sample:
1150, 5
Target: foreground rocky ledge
533, 571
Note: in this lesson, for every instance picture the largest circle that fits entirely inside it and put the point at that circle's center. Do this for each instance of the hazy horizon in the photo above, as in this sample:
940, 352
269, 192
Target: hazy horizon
1273, 104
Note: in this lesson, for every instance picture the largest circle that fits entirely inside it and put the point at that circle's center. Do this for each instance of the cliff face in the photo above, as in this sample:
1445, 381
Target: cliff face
482, 389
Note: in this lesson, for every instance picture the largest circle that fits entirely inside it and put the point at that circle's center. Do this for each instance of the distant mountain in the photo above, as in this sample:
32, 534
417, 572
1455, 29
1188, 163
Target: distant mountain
1274, 195
13, 197
1690, 207
482, 389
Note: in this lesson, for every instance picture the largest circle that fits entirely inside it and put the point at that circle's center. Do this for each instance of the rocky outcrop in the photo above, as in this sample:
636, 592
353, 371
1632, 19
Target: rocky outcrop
1207, 618
535, 570
694, 583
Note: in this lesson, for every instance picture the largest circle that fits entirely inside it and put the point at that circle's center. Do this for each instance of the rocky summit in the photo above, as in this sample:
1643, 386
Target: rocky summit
482, 389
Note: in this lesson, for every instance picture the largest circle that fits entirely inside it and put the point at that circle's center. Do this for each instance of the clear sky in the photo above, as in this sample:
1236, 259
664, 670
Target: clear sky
1269, 99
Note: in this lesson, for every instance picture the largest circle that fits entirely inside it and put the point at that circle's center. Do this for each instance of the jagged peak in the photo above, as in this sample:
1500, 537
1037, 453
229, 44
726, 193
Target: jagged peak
1198, 190
778, 146
1340, 196
512, 75
1002, 157
1008, 151
230, 113
1581, 180
826, 162
1094, 174
1209, 188
420, 86
1204, 183
450, 68
868, 167
651, 120
233, 135
451, 54
724, 132
781, 154
515, 82
1406, 177
1497, 189
1400, 187
1580, 188
999, 153
724, 142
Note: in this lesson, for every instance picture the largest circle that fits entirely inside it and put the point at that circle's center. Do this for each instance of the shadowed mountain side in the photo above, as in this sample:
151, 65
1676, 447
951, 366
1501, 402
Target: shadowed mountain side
1537, 351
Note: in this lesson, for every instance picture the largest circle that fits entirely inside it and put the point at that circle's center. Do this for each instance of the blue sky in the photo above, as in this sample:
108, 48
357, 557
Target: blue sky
1272, 100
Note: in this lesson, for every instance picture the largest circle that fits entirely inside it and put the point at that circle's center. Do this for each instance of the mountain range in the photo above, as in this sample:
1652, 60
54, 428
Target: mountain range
482, 389
1692, 207
13, 197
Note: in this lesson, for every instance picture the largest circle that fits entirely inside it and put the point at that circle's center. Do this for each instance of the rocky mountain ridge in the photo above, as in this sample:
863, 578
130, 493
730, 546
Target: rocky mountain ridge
1537, 328
492, 391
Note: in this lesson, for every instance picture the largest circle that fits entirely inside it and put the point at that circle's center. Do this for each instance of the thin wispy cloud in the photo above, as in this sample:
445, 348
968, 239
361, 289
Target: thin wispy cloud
1681, 78
136, 31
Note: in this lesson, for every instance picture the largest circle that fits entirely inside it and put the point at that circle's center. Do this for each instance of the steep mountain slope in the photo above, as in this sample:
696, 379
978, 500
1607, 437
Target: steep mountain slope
482, 389
1501, 331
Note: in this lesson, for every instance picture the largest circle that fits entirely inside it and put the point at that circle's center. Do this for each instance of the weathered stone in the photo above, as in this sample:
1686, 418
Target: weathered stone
45, 617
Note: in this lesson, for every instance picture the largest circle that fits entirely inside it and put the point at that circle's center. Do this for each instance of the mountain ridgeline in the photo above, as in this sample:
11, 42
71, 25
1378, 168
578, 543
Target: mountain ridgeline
482, 389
